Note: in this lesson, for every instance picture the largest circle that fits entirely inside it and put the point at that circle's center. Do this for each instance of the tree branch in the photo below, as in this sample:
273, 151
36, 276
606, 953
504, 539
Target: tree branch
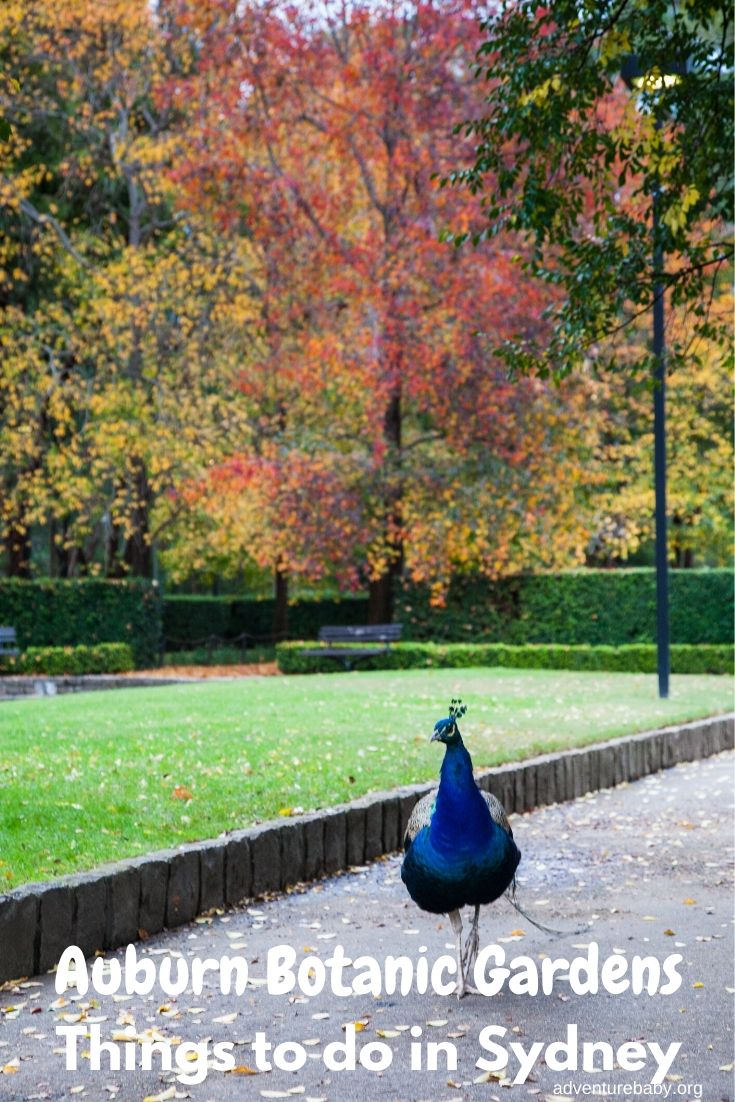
44, 220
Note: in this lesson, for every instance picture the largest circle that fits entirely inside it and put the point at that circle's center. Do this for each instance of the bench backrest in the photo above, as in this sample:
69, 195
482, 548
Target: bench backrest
370, 633
8, 638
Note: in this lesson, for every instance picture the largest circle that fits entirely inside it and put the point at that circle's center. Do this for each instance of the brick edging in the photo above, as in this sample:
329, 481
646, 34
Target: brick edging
107, 907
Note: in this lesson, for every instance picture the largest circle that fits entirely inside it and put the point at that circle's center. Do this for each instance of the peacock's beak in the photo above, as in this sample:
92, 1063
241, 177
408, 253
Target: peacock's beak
436, 737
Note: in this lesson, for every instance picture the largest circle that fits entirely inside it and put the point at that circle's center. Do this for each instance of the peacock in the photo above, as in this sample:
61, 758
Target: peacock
459, 847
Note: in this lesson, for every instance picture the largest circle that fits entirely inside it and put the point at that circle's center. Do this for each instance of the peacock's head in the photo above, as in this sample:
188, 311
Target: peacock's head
446, 730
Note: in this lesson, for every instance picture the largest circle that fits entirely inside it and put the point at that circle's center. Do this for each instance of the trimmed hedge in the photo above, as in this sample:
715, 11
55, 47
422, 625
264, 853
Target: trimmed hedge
610, 607
219, 656
98, 658
58, 612
188, 622
631, 658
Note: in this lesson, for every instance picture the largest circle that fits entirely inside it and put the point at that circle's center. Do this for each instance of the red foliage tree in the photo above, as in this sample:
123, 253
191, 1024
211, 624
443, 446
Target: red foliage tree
321, 132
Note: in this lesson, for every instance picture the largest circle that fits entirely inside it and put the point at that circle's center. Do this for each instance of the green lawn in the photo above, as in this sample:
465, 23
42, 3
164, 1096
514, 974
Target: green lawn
91, 778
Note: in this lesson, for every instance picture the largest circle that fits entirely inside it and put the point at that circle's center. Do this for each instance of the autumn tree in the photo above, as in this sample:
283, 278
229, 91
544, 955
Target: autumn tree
566, 157
117, 313
700, 459
321, 133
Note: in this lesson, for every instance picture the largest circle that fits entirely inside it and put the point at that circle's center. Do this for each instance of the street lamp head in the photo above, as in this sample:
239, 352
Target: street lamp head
641, 78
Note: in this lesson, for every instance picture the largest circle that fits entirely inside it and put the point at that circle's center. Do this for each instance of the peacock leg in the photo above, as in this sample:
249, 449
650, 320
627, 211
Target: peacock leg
472, 944
462, 988
456, 920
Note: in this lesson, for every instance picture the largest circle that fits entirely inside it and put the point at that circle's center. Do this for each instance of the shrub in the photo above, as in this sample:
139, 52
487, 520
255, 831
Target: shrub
56, 661
612, 607
188, 622
219, 656
58, 612
631, 658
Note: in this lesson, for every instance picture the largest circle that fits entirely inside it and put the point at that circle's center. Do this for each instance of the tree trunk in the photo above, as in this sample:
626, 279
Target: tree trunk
113, 567
382, 589
280, 610
18, 549
138, 555
380, 599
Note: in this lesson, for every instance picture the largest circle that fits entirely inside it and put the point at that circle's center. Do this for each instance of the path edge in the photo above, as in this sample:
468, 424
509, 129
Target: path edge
118, 903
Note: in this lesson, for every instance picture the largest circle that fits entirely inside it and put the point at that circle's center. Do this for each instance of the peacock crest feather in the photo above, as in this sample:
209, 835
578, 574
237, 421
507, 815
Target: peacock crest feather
456, 708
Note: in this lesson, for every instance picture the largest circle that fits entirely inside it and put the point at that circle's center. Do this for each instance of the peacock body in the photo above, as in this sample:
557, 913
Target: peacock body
459, 845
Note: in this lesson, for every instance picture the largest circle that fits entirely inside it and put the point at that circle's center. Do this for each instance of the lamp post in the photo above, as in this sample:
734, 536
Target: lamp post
637, 78
659, 456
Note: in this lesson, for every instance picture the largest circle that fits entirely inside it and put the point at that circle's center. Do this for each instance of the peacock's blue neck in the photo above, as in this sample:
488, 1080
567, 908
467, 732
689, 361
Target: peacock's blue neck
459, 801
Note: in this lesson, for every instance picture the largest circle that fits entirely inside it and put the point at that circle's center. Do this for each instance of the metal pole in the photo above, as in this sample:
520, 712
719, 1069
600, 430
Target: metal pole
659, 457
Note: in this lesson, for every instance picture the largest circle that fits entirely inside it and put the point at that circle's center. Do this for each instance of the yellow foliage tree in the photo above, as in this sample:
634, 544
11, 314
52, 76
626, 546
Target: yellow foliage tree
699, 459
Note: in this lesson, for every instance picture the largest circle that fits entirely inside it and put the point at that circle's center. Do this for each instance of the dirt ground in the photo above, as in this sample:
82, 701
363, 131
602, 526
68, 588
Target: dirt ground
250, 669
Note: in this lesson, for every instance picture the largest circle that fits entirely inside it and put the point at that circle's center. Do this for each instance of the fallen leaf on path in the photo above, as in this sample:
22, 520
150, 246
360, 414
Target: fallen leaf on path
162, 1097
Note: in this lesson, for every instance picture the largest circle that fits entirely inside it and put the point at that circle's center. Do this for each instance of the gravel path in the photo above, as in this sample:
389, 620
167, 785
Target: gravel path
649, 864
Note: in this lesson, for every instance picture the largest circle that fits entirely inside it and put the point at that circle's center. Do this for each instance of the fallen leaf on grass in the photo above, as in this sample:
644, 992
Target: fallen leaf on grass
181, 792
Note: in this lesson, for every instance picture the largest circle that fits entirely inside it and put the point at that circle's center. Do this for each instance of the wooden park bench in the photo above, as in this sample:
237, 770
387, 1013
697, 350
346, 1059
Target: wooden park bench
8, 643
341, 642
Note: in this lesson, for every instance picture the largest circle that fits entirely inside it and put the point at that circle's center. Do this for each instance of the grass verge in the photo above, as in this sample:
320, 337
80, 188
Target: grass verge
93, 777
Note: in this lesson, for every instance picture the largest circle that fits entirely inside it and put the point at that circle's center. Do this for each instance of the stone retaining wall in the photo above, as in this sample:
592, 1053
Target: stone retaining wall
110, 906
13, 687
